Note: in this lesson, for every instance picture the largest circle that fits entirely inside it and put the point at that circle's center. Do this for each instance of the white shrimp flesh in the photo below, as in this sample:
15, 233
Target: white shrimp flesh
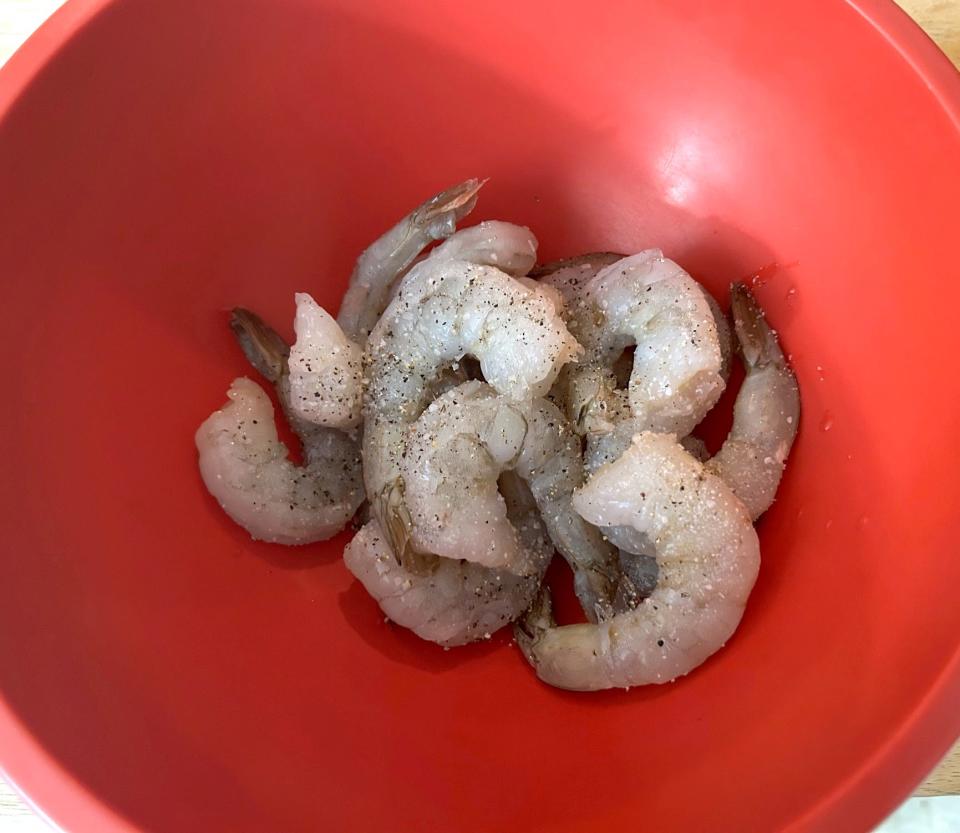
454, 456
247, 468
325, 369
647, 301
456, 601
379, 266
442, 313
708, 557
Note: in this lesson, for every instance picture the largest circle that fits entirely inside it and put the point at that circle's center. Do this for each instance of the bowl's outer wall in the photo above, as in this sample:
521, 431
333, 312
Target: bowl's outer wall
160, 671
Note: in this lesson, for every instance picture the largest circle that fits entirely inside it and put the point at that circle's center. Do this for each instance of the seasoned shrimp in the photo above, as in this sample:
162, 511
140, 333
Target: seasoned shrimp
509, 247
570, 275
246, 467
384, 261
325, 374
638, 567
708, 558
455, 454
650, 302
457, 601
677, 370
442, 313
766, 413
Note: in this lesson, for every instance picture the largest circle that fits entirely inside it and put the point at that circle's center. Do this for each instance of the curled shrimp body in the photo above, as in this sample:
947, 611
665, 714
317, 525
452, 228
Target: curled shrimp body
379, 266
766, 413
509, 247
456, 601
647, 301
677, 372
708, 558
455, 455
572, 275
247, 468
442, 313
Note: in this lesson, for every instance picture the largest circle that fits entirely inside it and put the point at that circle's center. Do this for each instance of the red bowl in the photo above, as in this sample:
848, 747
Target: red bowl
162, 161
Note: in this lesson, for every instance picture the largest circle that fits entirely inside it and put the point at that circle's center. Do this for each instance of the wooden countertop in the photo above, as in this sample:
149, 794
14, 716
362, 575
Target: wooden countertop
939, 18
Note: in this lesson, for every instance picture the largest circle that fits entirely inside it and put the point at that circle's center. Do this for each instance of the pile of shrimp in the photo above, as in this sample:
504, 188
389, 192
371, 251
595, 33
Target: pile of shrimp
473, 413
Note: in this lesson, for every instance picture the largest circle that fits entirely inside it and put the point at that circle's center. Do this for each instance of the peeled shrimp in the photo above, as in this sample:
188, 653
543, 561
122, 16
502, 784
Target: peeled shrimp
379, 266
247, 469
650, 302
678, 369
454, 455
325, 374
509, 247
457, 601
570, 275
766, 413
443, 312
708, 557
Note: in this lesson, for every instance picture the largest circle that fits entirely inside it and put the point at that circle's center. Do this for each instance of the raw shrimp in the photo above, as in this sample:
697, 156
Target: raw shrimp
572, 274
650, 302
246, 467
319, 381
708, 557
676, 372
325, 373
379, 266
509, 247
457, 601
765, 415
572, 277
638, 566
442, 313
675, 375
455, 453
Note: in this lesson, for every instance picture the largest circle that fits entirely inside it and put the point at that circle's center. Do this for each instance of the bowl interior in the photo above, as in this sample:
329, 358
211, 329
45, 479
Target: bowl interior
176, 159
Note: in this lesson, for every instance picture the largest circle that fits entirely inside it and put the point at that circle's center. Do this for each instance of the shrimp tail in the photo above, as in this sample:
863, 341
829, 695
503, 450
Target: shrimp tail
261, 344
440, 214
396, 523
595, 586
758, 342
534, 624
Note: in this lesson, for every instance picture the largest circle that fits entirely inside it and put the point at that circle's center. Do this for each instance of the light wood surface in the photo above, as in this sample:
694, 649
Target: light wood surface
939, 18
10, 803
945, 779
